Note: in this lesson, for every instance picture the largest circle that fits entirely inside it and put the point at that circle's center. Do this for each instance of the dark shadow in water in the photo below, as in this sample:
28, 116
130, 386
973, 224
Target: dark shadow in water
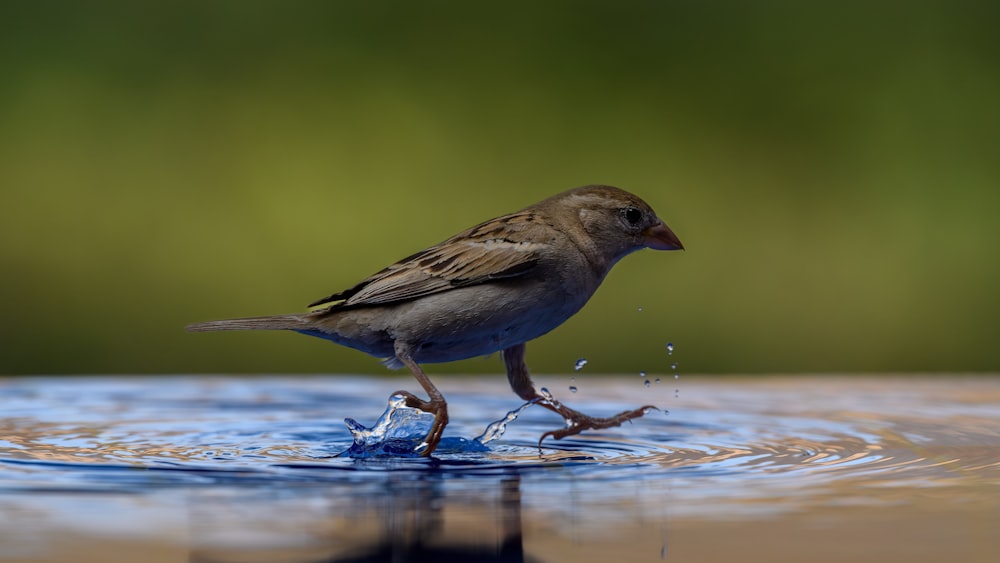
414, 530
410, 526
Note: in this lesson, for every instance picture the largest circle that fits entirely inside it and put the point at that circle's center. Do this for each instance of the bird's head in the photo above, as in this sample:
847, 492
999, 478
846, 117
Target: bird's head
615, 221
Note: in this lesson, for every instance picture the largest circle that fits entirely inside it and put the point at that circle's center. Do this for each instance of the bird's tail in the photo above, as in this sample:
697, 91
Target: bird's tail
277, 322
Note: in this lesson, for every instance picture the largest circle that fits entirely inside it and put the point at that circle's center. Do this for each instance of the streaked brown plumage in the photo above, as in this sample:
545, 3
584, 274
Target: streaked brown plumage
490, 288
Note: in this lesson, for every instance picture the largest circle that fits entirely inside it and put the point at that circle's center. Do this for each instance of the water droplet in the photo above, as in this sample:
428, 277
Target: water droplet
677, 376
673, 366
657, 379
640, 309
572, 389
647, 383
642, 374
670, 348
579, 364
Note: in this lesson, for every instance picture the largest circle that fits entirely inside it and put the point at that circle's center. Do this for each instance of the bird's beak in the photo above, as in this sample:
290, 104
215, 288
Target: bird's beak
660, 237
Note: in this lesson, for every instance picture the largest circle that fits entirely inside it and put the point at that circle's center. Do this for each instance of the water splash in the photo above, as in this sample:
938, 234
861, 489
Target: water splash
497, 428
398, 432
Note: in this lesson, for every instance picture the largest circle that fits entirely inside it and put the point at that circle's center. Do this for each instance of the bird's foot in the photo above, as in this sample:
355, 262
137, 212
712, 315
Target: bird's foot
439, 408
577, 422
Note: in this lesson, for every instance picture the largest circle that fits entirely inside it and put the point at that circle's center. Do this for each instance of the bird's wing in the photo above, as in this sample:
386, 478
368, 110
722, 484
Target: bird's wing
504, 247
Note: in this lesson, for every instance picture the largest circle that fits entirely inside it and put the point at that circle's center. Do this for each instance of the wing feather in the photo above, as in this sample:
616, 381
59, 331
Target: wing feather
501, 248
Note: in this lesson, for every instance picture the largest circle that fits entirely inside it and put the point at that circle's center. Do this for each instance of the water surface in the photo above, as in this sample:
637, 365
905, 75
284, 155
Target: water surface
226, 469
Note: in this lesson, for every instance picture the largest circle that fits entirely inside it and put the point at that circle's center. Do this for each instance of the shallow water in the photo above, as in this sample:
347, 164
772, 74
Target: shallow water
226, 469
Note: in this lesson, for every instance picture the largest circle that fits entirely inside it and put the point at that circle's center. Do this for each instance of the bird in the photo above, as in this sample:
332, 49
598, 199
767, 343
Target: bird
488, 289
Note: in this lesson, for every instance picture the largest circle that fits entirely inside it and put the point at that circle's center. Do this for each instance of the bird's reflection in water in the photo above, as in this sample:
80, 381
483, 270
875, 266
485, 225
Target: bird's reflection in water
409, 519
416, 528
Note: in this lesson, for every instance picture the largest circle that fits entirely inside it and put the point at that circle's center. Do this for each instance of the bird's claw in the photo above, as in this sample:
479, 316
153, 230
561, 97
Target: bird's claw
440, 411
577, 422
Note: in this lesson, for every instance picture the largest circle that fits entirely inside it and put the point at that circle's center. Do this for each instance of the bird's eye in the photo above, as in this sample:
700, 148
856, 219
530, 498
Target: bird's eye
632, 216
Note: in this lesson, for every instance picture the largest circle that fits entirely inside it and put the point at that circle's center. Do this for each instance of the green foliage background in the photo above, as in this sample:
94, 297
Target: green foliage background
832, 167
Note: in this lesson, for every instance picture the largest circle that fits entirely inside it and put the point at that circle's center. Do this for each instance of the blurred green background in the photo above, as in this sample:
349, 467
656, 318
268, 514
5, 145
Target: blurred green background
833, 169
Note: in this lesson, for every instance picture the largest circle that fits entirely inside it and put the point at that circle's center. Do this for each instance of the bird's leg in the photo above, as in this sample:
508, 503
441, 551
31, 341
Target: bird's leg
576, 421
436, 405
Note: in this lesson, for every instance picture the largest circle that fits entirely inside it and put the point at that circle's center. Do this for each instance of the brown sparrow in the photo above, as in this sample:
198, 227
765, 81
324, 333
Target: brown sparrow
490, 288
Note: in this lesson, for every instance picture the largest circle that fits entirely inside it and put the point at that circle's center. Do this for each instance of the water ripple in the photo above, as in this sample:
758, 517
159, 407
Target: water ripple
82, 432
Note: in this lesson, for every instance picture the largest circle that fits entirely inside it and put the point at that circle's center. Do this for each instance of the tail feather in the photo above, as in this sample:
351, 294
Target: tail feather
278, 322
